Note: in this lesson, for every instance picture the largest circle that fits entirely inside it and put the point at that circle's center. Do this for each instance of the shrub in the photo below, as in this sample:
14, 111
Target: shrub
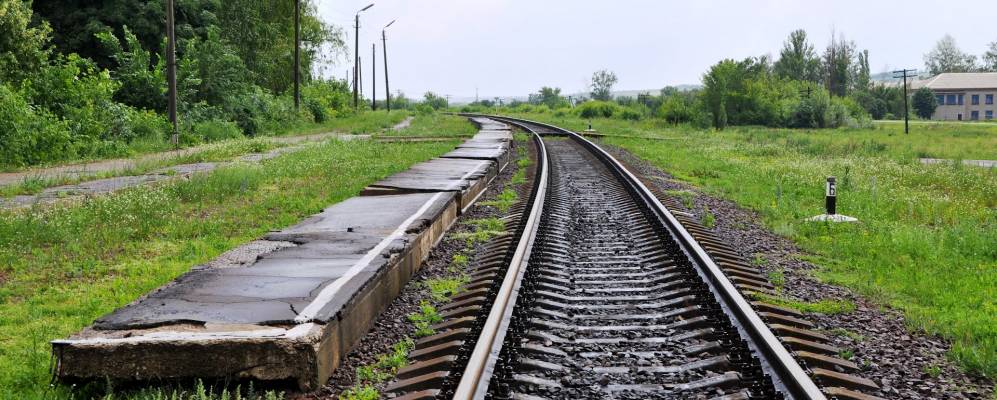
215, 130
424, 109
148, 124
326, 99
630, 114
597, 109
29, 136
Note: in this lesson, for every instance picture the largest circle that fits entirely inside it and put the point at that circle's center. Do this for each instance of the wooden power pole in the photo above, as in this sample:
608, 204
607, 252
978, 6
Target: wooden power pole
171, 74
904, 75
297, 54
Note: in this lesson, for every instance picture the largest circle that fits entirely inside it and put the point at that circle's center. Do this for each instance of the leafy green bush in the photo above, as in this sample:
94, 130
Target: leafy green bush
148, 124
597, 109
326, 99
424, 109
29, 136
215, 130
140, 86
631, 114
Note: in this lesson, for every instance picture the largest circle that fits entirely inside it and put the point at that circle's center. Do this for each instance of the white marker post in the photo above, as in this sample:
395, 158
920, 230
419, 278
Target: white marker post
831, 205
830, 196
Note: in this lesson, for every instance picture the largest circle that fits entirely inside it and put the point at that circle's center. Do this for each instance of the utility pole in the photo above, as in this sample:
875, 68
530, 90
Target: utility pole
384, 47
356, 60
356, 57
904, 73
171, 74
373, 77
297, 54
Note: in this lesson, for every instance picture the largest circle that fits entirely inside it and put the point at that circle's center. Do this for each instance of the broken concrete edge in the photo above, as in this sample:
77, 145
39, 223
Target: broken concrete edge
306, 353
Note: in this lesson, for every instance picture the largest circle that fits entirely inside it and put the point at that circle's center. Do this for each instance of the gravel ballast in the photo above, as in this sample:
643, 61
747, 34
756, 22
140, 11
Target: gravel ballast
906, 364
393, 325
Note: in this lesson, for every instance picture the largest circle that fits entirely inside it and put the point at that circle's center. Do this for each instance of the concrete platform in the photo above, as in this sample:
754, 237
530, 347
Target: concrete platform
494, 135
290, 305
489, 124
466, 177
290, 314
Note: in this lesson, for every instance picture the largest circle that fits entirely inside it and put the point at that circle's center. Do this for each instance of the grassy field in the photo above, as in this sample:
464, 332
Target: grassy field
63, 266
436, 125
927, 241
367, 122
232, 148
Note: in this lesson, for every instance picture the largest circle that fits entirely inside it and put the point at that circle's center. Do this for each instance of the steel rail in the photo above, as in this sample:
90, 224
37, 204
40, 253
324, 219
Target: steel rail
477, 374
790, 375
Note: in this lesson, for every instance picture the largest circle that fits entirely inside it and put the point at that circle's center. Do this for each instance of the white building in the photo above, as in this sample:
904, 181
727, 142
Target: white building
962, 96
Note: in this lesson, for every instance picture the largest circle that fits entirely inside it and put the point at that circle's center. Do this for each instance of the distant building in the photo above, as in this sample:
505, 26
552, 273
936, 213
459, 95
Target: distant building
962, 96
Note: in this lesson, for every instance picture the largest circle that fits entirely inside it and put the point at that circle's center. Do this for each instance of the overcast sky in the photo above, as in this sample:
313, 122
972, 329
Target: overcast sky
513, 47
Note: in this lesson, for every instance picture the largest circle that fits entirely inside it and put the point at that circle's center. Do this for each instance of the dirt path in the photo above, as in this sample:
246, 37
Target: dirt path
404, 124
82, 170
107, 185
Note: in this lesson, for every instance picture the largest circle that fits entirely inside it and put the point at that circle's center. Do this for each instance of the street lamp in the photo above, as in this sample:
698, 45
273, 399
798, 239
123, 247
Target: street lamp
356, 56
384, 47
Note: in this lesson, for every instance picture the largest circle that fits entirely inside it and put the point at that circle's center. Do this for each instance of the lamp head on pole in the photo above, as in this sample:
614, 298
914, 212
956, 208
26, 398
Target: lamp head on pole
389, 24
365, 8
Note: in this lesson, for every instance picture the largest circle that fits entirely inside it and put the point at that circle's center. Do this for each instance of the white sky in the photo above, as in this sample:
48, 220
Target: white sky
513, 47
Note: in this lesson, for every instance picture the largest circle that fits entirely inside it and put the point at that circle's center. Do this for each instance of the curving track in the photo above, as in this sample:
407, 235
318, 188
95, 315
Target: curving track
601, 293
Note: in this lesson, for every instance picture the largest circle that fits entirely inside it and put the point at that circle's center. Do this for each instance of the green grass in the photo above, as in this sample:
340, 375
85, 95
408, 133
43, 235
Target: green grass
424, 319
503, 201
442, 289
927, 240
369, 122
385, 368
197, 392
65, 265
436, 125
825, 306
220, 151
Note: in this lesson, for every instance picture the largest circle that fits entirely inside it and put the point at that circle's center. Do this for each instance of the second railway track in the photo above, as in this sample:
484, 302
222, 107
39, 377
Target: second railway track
600, 292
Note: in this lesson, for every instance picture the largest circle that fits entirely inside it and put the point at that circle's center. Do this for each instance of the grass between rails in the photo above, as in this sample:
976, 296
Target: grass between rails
66, 265
927, 240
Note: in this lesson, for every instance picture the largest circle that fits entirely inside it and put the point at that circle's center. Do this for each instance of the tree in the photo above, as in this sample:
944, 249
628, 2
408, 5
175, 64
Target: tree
260, 32
924, 103
434, 100
675, 110
838, 65
602, 85
990, 58
22, 48
947, 57
717, 83
551, 97
140, 86
860, 72
797, 60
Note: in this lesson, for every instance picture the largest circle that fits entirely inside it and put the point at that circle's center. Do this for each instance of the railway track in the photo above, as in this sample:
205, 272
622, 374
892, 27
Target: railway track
599, 291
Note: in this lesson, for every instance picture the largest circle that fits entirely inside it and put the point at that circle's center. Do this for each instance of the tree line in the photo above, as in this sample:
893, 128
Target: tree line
802, 88
88, 80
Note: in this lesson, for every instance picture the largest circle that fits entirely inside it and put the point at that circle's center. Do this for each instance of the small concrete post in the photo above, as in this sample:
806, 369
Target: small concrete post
831, 204
830, 196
